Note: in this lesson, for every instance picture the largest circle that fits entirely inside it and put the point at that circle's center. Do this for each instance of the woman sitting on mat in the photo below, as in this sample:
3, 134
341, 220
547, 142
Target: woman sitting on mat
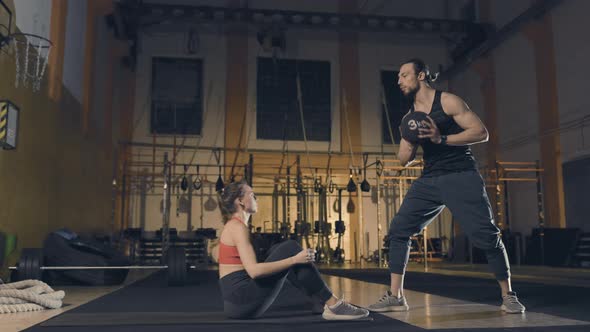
248, 287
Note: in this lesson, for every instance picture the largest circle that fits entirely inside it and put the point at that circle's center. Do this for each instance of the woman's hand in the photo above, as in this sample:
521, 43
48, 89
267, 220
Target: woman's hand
305, 256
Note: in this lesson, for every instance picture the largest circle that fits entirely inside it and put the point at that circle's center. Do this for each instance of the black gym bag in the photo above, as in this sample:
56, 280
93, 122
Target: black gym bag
66, 248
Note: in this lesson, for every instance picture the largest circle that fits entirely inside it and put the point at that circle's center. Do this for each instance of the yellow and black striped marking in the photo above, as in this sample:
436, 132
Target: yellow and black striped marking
3, 119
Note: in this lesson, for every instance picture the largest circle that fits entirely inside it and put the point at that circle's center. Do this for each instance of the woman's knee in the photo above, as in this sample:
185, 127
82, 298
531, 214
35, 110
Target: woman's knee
290, 246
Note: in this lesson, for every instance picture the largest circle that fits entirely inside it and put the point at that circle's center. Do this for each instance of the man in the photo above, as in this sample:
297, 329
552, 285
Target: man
450, 178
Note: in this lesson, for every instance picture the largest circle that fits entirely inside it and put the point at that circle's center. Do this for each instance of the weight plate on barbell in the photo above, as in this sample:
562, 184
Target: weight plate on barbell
29, 264
177, 268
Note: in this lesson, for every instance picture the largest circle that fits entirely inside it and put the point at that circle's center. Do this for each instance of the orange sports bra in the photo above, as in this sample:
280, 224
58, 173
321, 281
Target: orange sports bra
229, 254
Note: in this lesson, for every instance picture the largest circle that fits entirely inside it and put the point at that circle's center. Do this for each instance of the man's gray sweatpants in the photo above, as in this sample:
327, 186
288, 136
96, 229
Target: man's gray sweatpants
465, 195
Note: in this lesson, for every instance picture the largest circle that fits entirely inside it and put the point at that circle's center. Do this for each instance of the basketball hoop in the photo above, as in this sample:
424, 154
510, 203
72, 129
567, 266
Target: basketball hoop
30, 54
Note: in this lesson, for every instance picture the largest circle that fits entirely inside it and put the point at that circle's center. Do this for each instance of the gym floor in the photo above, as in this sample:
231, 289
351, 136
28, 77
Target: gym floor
449, 297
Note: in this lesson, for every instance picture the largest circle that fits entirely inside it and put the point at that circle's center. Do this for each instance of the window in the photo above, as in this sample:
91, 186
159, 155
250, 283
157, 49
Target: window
397, 106
277, 111
176, 96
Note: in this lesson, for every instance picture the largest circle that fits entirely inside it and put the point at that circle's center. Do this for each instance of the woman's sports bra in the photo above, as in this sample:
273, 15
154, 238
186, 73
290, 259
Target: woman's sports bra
229, 254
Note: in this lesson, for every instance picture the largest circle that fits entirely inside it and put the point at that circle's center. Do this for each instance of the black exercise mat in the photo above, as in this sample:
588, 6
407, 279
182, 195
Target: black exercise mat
152, 294
150, 305
183, 318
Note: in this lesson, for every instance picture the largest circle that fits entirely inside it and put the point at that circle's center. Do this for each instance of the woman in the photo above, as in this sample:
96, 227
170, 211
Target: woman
248, 287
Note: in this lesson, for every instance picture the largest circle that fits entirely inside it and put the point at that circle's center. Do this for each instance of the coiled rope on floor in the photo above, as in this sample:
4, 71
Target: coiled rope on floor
28, 295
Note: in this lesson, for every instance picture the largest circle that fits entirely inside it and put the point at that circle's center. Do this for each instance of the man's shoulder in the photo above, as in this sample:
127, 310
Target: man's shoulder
446, 96
451, 103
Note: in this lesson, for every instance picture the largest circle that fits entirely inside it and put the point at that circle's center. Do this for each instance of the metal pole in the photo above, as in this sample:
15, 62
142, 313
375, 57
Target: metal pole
389, 192
211, 148
124, 267
299, 189
312, 218
378, 188
321, 228
154, 161
499, 203
114, 200
361, 225
123, 195
275, 207
425, 248
284, 201
166, 207
541, 213
304, 205
250, 169
506, 207
326, 236
288, 207
189, 208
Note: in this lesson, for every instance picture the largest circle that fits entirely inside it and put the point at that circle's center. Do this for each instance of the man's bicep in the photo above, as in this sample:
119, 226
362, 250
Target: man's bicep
468, 119
461, 113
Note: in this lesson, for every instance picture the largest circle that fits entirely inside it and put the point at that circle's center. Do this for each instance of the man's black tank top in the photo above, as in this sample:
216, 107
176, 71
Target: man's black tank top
443, 159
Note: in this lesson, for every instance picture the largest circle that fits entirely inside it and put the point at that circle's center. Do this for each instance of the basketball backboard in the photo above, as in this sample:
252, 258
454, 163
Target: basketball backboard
6, 21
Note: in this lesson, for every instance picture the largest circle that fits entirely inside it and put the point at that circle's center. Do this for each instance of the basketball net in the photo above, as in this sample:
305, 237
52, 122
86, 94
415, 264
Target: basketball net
31, 53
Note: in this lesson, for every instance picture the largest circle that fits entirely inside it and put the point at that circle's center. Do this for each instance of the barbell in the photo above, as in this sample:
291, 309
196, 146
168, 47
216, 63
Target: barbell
30, 266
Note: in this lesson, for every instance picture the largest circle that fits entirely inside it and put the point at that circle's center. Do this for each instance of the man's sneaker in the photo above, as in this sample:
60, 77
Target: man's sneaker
344, 311
511, 305
388, 302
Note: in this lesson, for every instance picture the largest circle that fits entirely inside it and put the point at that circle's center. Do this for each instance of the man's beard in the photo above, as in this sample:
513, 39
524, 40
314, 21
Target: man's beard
411, 95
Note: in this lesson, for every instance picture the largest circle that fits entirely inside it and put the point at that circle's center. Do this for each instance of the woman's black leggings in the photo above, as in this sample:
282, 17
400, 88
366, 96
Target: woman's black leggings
244, 297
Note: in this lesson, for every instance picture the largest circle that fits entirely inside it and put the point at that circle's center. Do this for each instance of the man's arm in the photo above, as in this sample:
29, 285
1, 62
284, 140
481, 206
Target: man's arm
474, 131
406, 152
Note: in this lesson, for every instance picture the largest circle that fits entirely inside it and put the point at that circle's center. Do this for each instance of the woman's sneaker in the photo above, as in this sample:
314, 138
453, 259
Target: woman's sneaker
388, 302
511, 305
344, 311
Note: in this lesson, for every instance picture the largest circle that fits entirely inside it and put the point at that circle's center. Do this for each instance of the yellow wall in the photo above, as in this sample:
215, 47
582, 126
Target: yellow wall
56, 177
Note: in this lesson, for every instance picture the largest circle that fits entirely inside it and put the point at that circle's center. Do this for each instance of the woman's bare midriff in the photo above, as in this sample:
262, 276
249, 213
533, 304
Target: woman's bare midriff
225, 269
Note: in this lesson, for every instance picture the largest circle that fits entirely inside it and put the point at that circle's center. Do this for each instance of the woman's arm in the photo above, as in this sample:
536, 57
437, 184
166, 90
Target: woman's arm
241, 238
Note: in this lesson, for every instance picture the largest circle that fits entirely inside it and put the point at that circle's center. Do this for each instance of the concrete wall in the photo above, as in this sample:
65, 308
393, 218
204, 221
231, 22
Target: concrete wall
33, 17
574, 107
517, 102
101, 77
74, 48
568, 21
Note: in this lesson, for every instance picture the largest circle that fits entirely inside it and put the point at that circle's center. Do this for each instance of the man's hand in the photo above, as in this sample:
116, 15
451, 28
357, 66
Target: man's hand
430, 131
